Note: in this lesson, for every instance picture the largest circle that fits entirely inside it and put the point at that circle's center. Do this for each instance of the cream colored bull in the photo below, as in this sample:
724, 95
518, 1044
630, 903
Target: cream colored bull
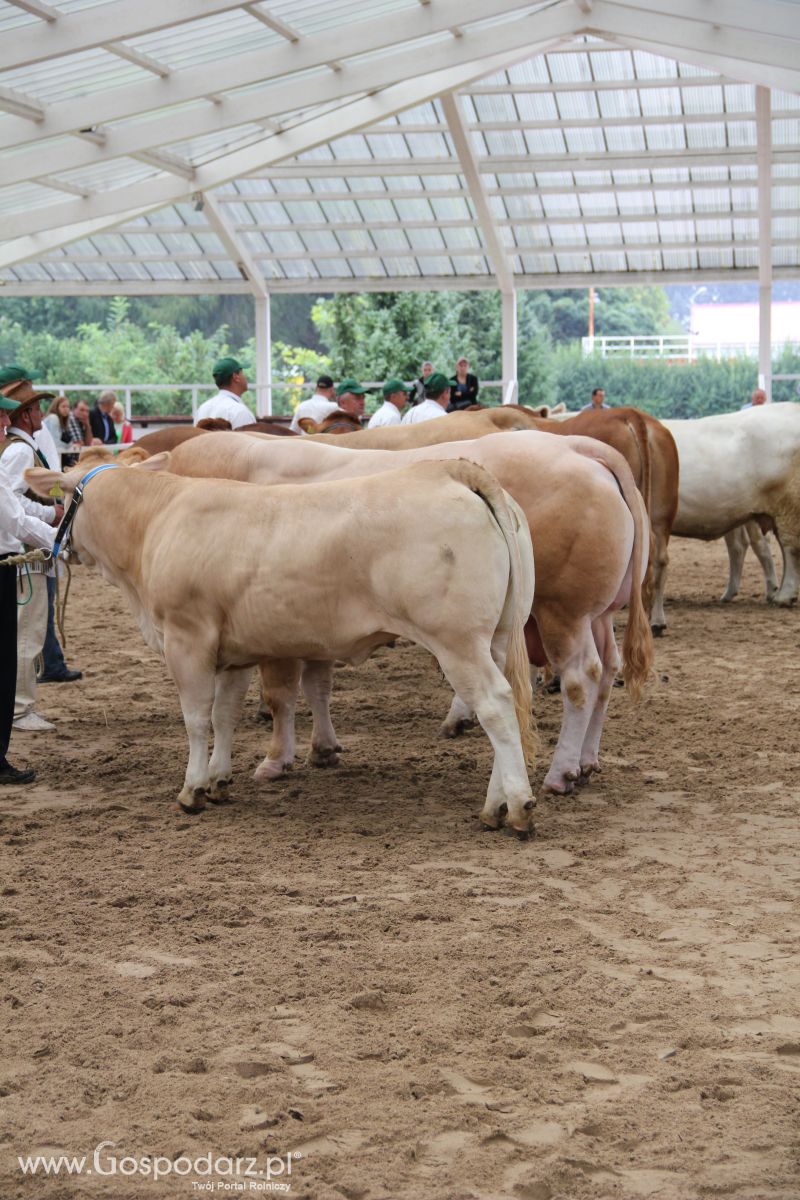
222, 576
590, 537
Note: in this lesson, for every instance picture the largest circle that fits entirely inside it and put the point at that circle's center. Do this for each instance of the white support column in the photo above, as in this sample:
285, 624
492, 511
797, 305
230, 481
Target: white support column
764, 161
508, 301
263, 357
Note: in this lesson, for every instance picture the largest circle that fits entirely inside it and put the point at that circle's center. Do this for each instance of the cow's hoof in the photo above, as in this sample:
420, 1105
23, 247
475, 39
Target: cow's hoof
457, 728
271, 768
193, 801
219, 793
560, 787
490, 822
324, 757
783, 601
658, 630
554, 686
264, 713
726, 597
523, 833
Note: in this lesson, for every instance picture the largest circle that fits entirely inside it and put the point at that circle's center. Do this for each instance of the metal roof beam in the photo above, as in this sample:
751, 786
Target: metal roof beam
363, 37
767, 18
451, 106
631, 122
61, 224
597, 85
381, 252
20, 105
37, 9
245, 262
163, 161
742, 56
526, 164
264, 105
416, 283
272, 22
68, 34
137, 58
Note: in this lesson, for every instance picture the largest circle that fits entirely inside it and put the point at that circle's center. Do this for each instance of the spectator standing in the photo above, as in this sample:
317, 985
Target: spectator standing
122, 426
101, 421
598, 400
464, 390
437, 398
230, 378
425, 372
395, 397
19, 452
16, 526
317, 407
57, 422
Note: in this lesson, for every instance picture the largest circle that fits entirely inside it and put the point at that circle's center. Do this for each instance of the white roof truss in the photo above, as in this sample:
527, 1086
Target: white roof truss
547, 140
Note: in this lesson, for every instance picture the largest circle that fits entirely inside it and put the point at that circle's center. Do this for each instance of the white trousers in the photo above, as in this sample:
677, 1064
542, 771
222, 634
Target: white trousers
31, 630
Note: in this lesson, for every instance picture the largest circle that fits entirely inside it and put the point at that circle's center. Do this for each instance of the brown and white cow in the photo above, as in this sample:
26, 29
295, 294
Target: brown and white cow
222, 576
589, 532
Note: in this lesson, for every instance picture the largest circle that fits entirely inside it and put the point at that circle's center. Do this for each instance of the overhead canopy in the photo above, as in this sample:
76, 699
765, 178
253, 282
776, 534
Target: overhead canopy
326, 145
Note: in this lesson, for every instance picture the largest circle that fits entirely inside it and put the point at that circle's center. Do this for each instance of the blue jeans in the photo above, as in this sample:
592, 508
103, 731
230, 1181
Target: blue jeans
52, 655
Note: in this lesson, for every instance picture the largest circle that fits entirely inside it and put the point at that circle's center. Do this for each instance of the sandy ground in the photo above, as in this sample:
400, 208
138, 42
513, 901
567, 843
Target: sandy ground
340, 965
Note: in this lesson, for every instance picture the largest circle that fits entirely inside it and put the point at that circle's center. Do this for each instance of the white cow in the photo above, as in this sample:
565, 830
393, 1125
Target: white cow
741, 465
222, 576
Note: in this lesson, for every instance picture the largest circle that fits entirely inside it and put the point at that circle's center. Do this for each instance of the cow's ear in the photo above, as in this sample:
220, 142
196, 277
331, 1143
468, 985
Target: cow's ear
156, 462
42, 481
307, 425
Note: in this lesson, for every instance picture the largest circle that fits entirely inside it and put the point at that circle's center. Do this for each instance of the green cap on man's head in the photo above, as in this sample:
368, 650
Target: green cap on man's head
435, 384
14, 372
350, 385
7, 404
394, 385
226, 366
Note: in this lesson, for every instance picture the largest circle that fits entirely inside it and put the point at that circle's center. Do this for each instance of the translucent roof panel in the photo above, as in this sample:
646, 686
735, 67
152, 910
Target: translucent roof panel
296, 144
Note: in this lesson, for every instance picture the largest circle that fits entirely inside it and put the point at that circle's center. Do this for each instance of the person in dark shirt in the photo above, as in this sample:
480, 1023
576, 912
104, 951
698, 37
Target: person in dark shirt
463, 387
101, 419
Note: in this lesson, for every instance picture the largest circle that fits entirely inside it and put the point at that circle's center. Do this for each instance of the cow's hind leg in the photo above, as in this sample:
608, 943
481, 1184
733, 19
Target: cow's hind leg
317, 684
280, 679
574, 655
229, 693
476, 678
658, 616
606, 643
192, 668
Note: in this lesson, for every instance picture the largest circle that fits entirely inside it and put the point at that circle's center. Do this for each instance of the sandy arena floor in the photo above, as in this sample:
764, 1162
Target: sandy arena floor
342, 966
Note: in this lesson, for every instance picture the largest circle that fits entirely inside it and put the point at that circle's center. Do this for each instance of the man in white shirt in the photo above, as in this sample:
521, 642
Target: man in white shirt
16, 526
232, 382
437, 398
18, 453
317, 407
395, 398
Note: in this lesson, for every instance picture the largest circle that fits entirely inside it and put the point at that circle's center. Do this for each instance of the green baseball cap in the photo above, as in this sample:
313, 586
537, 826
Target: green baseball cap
394, 385
350, 385
14, 372
435, 384
9, 405
227, 366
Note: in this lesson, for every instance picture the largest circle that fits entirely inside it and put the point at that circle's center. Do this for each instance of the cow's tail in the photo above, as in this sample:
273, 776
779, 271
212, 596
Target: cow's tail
638, 427
516, 609
637, 644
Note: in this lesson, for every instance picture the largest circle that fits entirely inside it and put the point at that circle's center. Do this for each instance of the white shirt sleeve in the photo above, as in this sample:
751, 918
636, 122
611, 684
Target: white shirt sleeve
14, 520
15, 461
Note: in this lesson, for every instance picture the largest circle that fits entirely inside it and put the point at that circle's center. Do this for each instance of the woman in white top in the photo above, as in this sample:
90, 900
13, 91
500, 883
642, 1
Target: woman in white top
437, 398
395, 396
57, 424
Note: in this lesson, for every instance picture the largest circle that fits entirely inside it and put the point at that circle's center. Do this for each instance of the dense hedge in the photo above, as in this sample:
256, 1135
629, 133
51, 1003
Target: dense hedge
663, 388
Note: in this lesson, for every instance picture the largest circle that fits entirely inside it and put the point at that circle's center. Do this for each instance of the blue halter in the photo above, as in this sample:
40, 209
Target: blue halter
63, 531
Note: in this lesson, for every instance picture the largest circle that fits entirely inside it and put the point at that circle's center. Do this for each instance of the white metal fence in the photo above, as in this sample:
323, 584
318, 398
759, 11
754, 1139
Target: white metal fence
672, 347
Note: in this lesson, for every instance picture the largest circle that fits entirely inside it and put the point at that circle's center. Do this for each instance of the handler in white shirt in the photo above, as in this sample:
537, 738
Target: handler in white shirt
232, 382
437, 398
16, 526
317, 407
395, 398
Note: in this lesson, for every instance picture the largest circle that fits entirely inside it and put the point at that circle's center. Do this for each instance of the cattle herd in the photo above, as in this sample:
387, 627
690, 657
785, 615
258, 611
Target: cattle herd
501, 540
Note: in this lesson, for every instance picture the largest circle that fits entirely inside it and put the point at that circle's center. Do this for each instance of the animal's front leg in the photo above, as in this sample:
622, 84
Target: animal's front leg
191, 666
280, 678
231, 687
317, 685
